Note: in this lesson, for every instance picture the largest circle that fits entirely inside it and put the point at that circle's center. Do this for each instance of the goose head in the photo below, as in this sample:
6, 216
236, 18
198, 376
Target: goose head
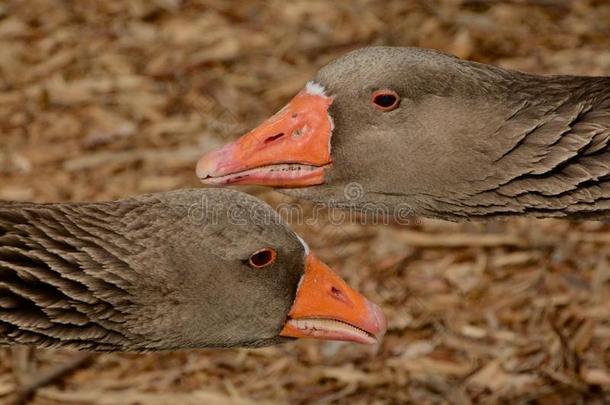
445, 137
186, 269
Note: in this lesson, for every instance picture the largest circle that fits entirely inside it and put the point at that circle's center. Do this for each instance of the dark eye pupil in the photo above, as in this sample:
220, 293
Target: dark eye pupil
385, 100
261, 258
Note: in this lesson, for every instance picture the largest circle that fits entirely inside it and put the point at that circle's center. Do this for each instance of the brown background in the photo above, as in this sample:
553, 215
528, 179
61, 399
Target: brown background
107, 99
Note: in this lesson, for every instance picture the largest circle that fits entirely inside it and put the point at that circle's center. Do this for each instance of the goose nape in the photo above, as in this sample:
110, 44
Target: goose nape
179, 270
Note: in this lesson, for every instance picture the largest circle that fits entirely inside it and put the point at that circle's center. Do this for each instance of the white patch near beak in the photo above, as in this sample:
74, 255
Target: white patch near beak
305, 245
315, 89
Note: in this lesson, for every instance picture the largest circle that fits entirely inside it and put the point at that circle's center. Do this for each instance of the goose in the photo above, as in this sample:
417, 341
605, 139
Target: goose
179, 270
445, 137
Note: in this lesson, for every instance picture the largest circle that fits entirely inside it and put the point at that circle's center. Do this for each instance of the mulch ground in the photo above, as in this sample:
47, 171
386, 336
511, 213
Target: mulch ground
106, 99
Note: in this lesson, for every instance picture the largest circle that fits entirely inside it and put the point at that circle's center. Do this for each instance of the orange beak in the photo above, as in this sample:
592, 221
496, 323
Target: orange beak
290, 149
327, 308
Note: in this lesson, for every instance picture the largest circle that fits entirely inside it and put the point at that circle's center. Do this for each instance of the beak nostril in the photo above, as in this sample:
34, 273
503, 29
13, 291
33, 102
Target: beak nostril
338, 294
274, 138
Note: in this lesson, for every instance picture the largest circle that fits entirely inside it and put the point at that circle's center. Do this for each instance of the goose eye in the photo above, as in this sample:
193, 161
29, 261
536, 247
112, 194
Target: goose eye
385, 100
262, 258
